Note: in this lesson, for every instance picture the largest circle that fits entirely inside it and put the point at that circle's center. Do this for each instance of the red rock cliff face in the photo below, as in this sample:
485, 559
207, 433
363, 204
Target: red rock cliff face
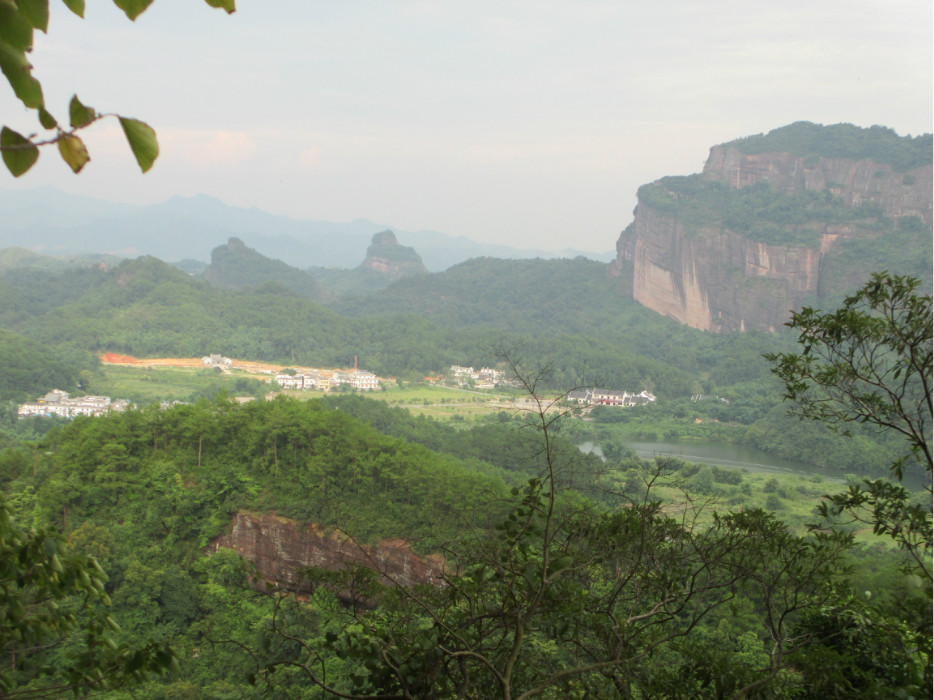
717, 280
280, 548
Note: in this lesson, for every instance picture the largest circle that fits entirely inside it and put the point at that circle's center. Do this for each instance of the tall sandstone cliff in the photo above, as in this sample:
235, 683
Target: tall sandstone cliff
704, 274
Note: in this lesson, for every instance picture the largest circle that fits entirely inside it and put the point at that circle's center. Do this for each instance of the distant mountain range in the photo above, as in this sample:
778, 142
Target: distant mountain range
53, 222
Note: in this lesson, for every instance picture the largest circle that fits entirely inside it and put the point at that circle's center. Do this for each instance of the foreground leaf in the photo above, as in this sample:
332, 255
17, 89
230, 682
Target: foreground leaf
36, 13
142, 140
18, 72
22, 155
228, 5
15, 28
46, 119
76, 6
133, 8
79, 114
73, 152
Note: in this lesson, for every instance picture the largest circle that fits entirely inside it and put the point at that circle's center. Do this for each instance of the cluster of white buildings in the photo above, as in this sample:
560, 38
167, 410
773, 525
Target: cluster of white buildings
610, 397
59, 403
483, 378
323, 380
215, 360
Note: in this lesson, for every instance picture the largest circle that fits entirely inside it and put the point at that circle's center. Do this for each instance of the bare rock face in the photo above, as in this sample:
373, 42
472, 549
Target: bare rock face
280, 548
705, 275
717, 280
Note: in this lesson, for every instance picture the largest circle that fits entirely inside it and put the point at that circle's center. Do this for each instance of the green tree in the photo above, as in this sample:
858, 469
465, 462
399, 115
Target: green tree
870, 361
55, 635
18, 20
563, 599
864, 654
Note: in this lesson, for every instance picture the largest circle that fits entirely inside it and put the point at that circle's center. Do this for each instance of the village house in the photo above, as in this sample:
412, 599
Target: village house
484, 378
363, 380
610, 397
288, 381
59, 403
215, 360
359, 379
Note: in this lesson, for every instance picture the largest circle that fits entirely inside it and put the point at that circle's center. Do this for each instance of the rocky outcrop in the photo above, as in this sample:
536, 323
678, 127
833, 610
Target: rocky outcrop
686, 262
280, 548
387, 257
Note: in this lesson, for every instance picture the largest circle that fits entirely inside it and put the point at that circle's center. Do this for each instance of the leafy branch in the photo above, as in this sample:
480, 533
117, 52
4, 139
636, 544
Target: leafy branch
18, 20
870, 362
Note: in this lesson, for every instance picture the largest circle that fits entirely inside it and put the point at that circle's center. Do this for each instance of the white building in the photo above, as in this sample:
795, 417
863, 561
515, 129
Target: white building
215, 360
58, 403
288, 381
363, 380
484, 378
359, 379
610, 397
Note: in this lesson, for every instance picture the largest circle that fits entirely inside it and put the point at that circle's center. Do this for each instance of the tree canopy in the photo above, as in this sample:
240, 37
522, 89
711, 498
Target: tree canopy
50, 597
870, 361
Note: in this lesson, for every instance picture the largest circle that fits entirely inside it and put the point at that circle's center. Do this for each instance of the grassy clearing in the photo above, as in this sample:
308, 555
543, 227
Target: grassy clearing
445, 403
145, 385
793, 498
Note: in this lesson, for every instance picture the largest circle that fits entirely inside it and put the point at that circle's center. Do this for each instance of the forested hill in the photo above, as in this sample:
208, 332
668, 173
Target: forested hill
534, 296
165, 500
559, 310
235, 266
29, 368
17, 257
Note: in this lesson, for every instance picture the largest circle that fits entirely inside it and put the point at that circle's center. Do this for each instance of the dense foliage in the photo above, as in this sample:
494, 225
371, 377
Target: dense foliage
877, 143
31, 369
52, 598
591, 336
871, 361
146, 491
235, 266
759, 212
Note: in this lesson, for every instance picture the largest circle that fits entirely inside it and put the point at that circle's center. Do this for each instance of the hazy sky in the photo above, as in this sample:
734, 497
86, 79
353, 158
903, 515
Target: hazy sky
527, 123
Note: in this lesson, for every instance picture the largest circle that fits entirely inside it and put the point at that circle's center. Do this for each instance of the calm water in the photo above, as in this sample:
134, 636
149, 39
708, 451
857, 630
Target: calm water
724, 454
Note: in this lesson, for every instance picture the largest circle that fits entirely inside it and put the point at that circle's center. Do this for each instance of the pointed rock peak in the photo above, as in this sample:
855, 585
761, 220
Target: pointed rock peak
388, 258
234, 243
386, 237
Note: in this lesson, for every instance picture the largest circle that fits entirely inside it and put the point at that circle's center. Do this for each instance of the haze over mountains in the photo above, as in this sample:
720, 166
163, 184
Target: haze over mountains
55, 223
171, 497
774, 222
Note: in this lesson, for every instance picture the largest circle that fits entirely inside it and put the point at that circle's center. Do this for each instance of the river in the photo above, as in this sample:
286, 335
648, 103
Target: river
724, 454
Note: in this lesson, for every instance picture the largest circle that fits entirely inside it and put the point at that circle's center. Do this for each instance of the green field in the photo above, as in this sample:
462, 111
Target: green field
144, 385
